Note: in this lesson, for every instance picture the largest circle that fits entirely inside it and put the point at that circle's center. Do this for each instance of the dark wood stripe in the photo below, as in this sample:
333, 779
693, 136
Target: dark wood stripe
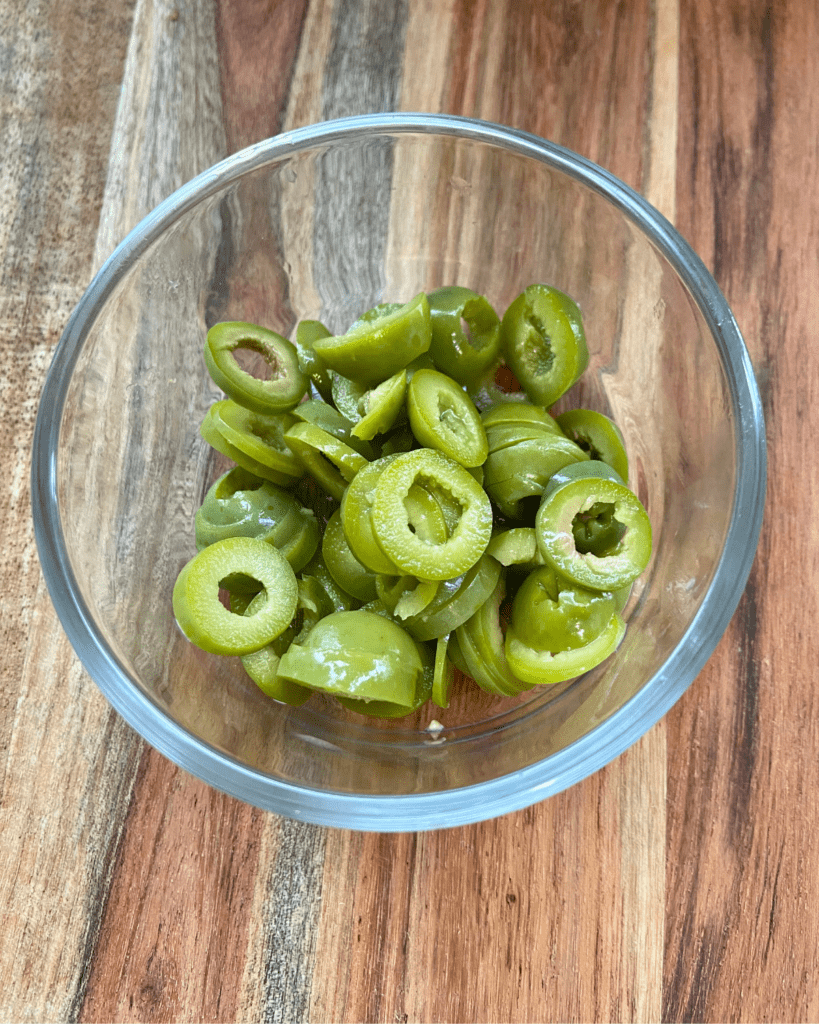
363, 70
173, 939
739, 853
258, 41
217, 304
746, 725
362, 74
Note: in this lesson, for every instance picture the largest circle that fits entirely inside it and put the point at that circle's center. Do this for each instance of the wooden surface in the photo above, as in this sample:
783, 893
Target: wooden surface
679, 883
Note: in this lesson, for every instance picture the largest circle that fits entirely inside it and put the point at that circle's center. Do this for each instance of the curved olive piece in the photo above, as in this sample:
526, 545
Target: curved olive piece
240, 504
597, 435
349, 396
466, 336
260, 437
373, 350
516, 546
456, 601
592, 529
509, 425
287, 383
386, 709
405, 596
331, 462
544, 668
481, 644
454, 654
359, 655
252, 441
231, 507
337, 599
356, 506
377, 312
307, 331
582, 470
523, 470
443, 417
443, 674
342, 564
262, 665
381, 406
424, 516
204, 619
544, 342
550, 613
323, 415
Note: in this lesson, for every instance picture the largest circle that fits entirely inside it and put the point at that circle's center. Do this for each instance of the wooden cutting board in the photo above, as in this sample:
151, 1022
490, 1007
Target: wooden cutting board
680, 882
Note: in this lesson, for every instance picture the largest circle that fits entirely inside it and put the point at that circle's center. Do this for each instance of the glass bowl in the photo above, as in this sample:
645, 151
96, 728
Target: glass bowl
323, 223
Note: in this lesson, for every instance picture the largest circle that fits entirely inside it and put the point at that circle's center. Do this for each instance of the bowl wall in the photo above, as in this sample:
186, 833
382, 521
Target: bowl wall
325, 227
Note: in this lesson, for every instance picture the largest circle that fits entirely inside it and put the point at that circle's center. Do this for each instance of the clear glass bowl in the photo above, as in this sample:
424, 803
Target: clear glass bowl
323, 223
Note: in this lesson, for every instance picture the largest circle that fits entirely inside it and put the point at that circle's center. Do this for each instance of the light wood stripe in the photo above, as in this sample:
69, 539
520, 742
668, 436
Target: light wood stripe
169, 127
56, 731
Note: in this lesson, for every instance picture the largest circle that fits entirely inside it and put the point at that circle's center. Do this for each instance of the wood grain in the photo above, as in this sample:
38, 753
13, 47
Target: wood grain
742, 862
461, 947
219, 943
257, 42
679, 882
60, 79
55, 126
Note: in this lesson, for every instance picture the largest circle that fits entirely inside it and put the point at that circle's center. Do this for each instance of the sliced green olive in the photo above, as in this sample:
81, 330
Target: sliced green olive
598, 436
287, 383
374, 350
205, 620
466, 337
545, 668
592, 529
544, 342
442, 416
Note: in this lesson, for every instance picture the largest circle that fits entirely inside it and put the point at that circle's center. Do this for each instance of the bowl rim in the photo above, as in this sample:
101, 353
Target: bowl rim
480, 801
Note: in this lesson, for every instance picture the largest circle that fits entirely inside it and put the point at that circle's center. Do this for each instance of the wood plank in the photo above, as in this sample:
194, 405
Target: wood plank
511, 920
222, 907
59, 82
53, 124
742, 860
138, 964
172, 940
